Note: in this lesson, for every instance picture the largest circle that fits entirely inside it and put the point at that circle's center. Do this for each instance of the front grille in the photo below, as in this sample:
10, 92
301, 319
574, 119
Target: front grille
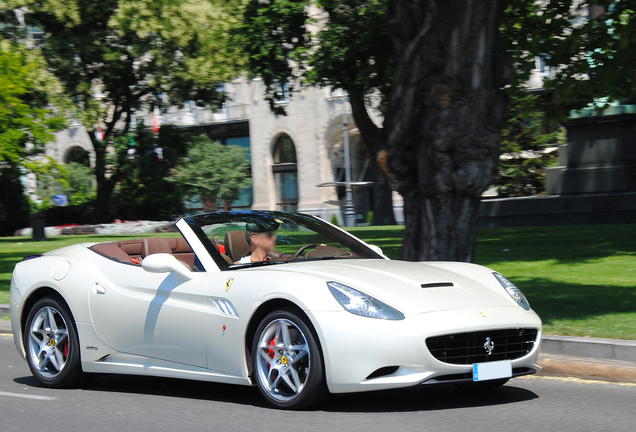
469, 348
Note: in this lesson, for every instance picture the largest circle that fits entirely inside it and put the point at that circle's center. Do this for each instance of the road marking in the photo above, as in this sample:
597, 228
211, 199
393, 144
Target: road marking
577, 380
25, 396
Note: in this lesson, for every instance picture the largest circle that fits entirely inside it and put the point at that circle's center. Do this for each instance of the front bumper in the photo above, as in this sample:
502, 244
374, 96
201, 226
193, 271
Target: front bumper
355, 347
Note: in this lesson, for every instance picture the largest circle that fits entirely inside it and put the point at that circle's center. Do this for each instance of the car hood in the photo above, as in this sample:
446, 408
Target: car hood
413, 287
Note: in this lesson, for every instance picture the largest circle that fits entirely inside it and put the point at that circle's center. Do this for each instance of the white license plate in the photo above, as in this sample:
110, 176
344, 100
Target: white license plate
492, 370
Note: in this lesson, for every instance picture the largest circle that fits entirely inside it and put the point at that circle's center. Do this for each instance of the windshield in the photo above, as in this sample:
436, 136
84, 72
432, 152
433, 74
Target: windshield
246, 239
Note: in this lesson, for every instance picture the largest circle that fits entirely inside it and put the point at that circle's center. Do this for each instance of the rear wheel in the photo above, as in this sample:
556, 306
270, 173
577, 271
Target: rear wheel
287, 363
51, 344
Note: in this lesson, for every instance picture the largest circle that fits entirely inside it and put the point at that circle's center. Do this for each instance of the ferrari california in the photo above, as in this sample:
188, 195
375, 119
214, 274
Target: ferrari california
285, 302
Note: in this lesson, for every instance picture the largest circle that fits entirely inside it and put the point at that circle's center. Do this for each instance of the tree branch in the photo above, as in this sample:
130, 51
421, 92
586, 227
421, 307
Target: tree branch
369, 131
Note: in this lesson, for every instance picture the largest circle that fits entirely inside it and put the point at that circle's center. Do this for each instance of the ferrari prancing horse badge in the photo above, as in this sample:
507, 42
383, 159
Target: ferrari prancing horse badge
228, 284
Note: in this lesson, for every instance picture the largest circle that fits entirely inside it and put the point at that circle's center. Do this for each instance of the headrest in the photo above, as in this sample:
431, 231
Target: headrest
151, 246
179, 245
131, 247
236, 245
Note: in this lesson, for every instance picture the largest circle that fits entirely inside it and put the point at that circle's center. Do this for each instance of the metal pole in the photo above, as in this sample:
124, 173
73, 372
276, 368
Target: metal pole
350, 214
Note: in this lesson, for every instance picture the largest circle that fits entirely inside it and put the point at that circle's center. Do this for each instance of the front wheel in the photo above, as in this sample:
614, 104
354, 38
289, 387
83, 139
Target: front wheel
287, 363
52, 345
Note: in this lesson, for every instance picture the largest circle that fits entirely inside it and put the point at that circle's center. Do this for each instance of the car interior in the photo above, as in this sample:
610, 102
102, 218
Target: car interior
134, 251
232, 248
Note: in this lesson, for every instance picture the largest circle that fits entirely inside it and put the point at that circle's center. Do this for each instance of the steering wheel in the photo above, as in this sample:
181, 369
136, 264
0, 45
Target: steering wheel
302, 249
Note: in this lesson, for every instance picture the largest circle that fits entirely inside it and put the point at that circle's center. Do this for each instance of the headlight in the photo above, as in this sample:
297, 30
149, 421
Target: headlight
361, 304
514, 292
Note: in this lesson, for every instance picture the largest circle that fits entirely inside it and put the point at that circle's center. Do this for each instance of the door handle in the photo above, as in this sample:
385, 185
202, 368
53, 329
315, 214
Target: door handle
98, 289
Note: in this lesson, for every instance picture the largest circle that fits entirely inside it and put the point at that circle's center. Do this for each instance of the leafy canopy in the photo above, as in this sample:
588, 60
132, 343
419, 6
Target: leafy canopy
213, 171
25, 89
521, 170
338, 43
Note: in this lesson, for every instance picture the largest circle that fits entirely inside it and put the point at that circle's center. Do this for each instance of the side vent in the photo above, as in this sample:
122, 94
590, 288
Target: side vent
224, 306
438, 285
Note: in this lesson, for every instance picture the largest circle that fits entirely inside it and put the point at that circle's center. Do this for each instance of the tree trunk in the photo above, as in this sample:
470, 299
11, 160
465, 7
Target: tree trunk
102, 201
371, 135
442, 128
382, 197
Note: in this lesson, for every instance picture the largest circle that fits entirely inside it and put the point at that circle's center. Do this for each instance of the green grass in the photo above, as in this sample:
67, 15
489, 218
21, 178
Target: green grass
581, 280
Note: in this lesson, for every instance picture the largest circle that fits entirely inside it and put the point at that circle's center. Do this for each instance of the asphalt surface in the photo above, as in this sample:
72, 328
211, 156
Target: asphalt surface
125, 403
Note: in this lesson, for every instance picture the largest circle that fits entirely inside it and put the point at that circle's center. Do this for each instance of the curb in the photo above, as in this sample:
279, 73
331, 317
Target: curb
593, 348
5, 326
586, 368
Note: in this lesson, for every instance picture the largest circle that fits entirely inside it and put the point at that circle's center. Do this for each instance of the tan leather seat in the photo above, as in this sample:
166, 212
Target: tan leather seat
182, 251
179, 245
111, 250
151, 246
236, 246
131, 247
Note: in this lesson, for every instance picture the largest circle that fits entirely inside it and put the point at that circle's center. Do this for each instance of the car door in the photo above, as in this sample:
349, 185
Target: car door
157, 315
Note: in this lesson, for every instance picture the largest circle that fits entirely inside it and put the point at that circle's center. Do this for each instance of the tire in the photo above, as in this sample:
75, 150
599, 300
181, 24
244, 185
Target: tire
52, 345
287, 362
483, 385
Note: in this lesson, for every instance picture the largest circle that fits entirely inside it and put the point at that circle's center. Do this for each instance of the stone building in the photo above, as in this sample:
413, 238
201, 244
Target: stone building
296, 159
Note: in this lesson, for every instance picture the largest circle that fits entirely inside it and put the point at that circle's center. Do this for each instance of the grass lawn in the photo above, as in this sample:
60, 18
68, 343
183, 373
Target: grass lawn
581, 280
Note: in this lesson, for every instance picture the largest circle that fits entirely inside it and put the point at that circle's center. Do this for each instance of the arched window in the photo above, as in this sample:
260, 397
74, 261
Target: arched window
78, 155
285, 170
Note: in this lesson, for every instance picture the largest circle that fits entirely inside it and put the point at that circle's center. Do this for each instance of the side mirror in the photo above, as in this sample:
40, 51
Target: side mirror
165, 263
376, 249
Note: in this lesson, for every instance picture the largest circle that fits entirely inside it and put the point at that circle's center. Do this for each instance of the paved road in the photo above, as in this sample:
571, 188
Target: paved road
122, 403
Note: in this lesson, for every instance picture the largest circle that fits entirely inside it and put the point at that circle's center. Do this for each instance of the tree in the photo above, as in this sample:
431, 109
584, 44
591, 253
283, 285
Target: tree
116, 57
146, 190
447, 79
334, 43
213, 171
521, 170
24, 94
51, 178
79, 179
443, 120
26, 124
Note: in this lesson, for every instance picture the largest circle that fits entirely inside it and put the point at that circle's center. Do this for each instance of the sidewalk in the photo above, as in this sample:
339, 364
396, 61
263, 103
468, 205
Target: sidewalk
567, 356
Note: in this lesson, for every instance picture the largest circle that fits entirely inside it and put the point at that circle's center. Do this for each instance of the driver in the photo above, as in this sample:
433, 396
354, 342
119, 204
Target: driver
262, 240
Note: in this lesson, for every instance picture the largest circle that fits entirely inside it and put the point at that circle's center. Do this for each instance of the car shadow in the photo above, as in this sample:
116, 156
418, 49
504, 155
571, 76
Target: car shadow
428, 398
420, 398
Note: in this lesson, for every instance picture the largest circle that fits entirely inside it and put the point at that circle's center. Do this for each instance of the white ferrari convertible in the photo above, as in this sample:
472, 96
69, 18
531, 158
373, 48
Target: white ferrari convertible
322, 312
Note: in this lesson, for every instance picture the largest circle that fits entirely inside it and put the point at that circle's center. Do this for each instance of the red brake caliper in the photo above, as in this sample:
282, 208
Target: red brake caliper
271, 352
66, 349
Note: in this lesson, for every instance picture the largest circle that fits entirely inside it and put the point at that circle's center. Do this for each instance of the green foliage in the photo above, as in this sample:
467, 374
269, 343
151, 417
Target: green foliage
334, 220
592, 54
521, 170
116, 57
80, 184
213, 171
370, 217
145, 191
24, 92
51, 178
341, 43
